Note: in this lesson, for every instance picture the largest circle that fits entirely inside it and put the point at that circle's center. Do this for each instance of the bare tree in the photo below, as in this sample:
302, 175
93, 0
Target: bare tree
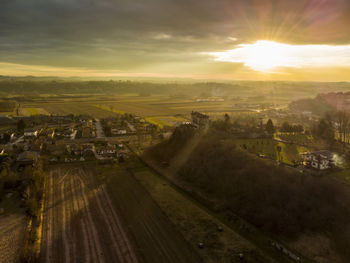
343, 125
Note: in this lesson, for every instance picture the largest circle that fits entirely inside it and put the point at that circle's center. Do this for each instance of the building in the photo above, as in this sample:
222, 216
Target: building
115, 131
30, 133
198, 119
320, 160
106, 151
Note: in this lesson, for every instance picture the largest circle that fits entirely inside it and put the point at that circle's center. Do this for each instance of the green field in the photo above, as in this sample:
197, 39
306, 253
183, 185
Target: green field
290, 153
162, 121
101, 106
296, 138
109, 108
29, 111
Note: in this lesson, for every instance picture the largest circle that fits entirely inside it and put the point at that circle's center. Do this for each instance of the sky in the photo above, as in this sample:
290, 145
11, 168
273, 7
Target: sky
199, 39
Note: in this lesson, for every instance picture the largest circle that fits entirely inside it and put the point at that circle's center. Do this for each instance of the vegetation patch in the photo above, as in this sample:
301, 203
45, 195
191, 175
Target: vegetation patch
162, 121
109, 108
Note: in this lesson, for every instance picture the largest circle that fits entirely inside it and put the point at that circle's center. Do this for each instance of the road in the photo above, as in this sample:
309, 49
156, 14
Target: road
99, 130
20, 139
80, 223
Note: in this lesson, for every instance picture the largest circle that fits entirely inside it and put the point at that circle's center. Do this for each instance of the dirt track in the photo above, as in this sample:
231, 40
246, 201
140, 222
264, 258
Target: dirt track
80, 222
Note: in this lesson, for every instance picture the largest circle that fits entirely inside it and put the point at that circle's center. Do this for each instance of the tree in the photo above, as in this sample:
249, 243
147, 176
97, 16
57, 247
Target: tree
21, 125
343, 124
347, 156
286, 127
324, 130
270, 128
227, 118
298, 128
279, 150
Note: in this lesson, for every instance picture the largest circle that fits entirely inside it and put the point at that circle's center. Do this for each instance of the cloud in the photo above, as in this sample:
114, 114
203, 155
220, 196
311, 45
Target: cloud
134, 36
162, 36
232, 39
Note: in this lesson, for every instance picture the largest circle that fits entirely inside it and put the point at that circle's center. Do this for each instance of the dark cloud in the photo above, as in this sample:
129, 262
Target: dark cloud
127, 35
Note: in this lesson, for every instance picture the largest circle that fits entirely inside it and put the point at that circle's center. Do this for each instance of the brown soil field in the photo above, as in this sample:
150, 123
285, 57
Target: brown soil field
87, 219
80, 222
12, 229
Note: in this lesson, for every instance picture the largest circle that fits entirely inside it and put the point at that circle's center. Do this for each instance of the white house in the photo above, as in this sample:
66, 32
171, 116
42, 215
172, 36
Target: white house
320, 160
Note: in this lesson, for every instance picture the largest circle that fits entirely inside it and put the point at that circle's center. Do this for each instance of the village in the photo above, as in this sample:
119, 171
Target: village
71, 139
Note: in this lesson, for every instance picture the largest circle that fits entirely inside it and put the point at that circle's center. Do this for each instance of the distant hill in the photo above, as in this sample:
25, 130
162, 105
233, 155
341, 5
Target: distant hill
276, 91
318, 105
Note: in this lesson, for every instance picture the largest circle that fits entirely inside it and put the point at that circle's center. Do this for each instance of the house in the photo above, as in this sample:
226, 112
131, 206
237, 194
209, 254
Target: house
306, 114
106, 151
30, 133
13, 137
320, 160
118, 131
200, 120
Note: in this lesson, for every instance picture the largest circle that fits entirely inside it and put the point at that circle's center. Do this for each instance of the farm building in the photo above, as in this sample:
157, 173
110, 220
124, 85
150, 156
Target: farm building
199, 119
320, 160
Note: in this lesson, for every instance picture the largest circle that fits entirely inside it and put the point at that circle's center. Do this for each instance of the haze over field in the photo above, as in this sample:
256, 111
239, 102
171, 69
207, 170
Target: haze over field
257, 39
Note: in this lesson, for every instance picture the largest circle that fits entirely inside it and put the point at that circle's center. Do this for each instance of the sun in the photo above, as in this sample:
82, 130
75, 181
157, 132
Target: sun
265, 56
268, 56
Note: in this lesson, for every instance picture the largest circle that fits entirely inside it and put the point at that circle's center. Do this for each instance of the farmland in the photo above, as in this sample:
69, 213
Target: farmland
87, 220
77, 227
32, 111
160, 110
157, 101
11, 237
100, 106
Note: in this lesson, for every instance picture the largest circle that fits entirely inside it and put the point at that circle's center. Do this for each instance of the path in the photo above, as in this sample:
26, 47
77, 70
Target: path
99, 130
